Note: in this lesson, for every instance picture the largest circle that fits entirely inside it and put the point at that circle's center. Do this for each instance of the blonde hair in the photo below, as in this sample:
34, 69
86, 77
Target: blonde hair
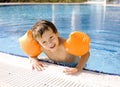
41, 26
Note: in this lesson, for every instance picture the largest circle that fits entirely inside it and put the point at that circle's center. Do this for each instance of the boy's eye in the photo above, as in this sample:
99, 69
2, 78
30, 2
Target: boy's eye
44, 42
51, 37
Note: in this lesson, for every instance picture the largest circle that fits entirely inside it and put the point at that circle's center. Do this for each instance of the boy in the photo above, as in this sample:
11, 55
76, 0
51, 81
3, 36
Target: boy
45, 33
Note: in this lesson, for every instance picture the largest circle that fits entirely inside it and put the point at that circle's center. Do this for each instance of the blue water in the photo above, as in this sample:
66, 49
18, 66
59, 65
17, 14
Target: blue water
101, 23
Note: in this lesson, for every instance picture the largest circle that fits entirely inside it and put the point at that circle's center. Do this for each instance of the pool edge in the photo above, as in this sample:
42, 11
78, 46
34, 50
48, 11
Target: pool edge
18, 62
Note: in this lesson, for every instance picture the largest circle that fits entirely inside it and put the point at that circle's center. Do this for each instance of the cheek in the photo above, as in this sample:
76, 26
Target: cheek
44, 45
57, 41
54, 41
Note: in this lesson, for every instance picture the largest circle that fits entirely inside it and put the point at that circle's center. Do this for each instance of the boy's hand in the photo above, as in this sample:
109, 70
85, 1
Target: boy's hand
71, 70
79, 66
37, 65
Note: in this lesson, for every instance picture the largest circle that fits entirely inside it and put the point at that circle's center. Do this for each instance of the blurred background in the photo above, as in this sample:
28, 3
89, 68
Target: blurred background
64, 1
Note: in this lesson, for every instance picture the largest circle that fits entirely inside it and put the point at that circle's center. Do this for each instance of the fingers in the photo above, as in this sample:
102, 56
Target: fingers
33, 68
67, 71
38, 67
70, 71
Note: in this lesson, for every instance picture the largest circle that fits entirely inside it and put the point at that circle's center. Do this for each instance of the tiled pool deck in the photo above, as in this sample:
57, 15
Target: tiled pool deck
16, 72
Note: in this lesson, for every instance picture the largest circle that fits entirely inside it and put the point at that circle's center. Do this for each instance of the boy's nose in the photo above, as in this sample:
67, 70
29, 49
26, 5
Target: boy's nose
50, 44
50, 41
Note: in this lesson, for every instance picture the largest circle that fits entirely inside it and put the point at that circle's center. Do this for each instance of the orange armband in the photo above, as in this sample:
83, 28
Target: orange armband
30, 46
77, 43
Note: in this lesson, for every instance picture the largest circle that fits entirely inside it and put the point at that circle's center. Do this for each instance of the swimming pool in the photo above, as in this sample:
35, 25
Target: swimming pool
101, 23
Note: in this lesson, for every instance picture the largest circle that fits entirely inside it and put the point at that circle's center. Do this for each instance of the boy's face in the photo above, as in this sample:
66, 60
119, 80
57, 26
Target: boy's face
49, 40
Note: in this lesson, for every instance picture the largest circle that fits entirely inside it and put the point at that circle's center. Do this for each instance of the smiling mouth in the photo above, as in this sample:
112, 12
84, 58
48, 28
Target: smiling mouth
53, 46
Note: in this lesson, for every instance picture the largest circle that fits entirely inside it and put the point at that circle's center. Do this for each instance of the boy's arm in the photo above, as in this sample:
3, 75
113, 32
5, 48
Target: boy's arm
82, 61
79, 66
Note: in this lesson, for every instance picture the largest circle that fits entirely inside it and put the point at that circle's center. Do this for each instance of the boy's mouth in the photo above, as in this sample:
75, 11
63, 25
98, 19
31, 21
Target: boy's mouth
53, 46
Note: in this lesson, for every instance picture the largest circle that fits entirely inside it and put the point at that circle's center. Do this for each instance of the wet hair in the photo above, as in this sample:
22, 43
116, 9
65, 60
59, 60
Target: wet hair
41, 26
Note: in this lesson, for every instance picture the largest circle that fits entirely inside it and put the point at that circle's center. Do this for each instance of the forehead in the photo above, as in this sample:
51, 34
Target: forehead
46, 35
47, 30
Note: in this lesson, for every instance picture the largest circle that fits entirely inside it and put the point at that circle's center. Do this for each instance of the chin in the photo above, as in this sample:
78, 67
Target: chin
53, 49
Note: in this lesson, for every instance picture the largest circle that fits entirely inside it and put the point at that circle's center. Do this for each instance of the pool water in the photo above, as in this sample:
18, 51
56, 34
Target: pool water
101, 23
